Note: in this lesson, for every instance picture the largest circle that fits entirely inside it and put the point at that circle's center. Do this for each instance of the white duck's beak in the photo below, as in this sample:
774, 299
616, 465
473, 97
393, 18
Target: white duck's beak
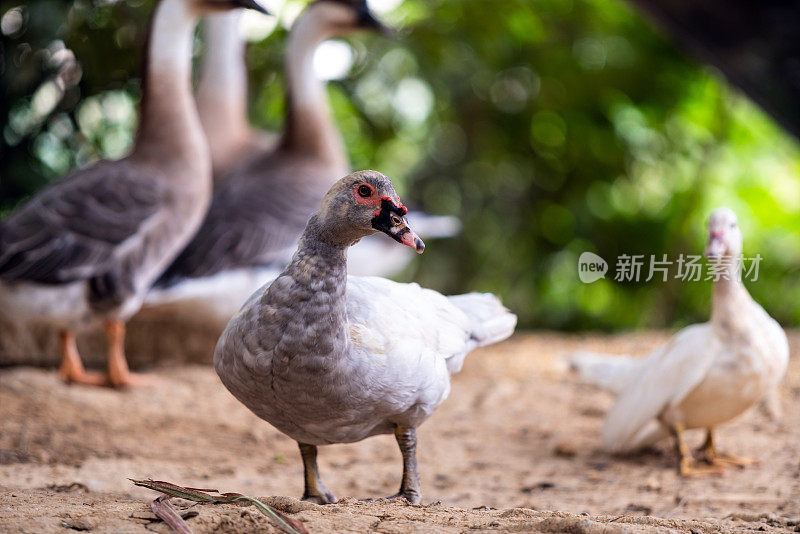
391, 220
716, 244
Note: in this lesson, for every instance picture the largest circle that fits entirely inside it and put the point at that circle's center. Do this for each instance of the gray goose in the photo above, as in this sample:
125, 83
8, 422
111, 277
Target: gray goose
258, 213
331, 358
88, 247
222, 98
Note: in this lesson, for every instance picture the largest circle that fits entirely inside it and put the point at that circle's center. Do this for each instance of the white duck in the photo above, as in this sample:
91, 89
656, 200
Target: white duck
331, 358
706, 375
87, 248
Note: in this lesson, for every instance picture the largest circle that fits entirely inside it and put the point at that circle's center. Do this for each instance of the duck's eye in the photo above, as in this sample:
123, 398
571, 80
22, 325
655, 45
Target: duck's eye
395, 219
364, 191
733, 225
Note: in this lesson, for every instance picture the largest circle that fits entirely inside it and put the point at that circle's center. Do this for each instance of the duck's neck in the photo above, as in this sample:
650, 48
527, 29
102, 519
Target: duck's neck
170, 130
315, 299
309, 125
222, 88
730, 297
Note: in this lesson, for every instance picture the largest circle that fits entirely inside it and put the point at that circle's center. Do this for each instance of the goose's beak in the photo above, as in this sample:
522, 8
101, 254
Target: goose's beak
368, 21
391, 220
252, 4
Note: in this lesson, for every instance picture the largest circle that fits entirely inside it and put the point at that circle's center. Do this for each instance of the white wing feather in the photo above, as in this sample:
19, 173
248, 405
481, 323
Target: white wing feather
667, 376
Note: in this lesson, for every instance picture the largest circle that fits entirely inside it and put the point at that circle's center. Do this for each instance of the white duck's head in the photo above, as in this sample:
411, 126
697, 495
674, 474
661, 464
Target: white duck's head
340, 17
724, 235
363, 203
209, 7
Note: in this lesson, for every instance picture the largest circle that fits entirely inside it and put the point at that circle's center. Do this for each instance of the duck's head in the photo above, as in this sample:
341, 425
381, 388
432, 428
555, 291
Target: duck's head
340, 17
361, 204
209, 7
724, 235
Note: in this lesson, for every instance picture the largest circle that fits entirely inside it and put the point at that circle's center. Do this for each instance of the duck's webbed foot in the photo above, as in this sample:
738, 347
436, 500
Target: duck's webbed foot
315, 491
711, 455
688, 466
410, 489
323, 496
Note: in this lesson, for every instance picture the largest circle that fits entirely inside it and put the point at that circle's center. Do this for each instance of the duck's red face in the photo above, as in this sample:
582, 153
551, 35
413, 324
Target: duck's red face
388, 215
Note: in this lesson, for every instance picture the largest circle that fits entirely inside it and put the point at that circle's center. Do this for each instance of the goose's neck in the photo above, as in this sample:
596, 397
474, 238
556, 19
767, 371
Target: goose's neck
170, 129
309, 125
730, 297
222, 88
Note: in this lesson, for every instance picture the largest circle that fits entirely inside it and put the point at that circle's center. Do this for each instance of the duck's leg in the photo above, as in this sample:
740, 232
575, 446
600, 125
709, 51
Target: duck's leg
688, 466
410, 486
714, 457
118, 373
315, 490
71, 369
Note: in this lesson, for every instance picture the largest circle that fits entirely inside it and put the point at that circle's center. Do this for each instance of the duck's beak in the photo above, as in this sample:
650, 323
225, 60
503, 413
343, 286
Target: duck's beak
391, 220
252, 4
716, 244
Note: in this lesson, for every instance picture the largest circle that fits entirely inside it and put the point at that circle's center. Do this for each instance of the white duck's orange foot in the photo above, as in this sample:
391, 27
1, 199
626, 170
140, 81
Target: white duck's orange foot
689, 467
723, 459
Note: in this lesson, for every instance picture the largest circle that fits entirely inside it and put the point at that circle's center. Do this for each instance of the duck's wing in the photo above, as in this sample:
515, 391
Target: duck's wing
410, 320
79, 227
252, 222
666, 377
404, 319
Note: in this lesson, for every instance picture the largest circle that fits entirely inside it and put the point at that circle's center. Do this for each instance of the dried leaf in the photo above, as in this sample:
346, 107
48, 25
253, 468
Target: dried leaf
163, 509
287, 524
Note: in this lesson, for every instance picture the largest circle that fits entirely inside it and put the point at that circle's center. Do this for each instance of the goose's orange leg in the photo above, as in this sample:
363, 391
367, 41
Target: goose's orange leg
118, 373
71, 369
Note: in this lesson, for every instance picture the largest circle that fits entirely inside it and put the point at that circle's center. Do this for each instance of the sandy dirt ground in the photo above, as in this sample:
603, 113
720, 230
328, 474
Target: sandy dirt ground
514, 449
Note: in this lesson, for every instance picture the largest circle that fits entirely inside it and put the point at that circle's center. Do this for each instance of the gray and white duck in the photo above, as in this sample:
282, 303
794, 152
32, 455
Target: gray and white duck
264, 196
331, 358
706, 375
87, 248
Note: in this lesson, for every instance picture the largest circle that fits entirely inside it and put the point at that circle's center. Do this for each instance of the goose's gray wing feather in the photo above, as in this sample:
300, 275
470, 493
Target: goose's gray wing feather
75, 229
255, 220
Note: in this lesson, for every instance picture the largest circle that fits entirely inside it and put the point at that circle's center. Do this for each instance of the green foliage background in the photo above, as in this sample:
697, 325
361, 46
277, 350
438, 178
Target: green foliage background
550, 127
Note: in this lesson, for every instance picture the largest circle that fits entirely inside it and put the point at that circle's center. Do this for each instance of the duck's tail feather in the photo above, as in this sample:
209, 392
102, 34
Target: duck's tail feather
491, 321
611, 372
